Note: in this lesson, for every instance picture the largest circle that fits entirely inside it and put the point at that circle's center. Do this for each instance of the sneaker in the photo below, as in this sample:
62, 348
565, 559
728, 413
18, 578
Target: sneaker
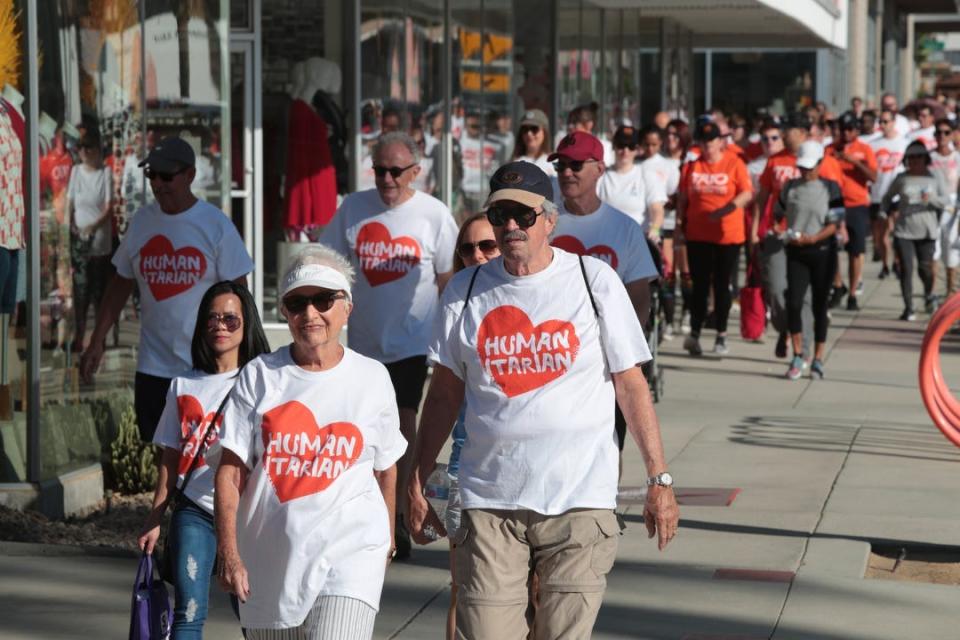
876, 255
692, 345
884, 273
720, 347
837, 296
781, 350
860, 288
908, 315
852, 303
931, 304
667, 331
796, 368
816, 369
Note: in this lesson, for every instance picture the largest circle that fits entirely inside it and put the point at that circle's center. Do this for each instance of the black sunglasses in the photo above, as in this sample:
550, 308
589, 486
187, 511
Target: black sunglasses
770, 138
529, 128
230, 321
396, 172
943, 132
321, 302
488, 247
574, 165
166, 176
525, 217
631, 147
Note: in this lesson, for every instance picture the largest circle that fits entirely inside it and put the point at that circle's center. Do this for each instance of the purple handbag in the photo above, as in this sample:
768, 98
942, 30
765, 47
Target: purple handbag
150, 611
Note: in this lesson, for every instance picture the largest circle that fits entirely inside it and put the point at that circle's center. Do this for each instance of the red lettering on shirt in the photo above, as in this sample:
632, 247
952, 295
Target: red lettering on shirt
170, 272
521, 357
302, 458
600, 251
384, 258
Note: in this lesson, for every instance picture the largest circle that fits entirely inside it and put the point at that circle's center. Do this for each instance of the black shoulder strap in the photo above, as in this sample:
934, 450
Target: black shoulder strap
202, 442
473, 279
593, 303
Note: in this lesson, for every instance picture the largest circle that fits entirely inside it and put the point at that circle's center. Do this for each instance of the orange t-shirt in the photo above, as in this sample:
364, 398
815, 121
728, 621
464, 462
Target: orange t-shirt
709, 187
855, 186
782, 168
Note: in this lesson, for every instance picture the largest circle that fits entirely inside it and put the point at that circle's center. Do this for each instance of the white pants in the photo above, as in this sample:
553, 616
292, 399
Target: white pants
331, 618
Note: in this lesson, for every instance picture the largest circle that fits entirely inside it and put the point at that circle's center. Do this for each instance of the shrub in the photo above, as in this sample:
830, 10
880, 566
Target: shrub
134, 465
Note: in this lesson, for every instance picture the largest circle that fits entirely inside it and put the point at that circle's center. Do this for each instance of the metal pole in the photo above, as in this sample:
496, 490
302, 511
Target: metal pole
32, 202
352, 26
446, 80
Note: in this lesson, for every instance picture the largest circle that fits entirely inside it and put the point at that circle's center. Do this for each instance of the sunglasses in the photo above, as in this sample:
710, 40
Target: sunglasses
525, 217
529, 128
888, 121
943, 132
770, 138
230, 321
574, 165
321, 302
467, 249
395, 172
166, 176
631, 147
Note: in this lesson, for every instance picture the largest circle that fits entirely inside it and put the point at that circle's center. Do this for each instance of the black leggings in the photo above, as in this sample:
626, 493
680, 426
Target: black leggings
711, 266
919, 252
810, 267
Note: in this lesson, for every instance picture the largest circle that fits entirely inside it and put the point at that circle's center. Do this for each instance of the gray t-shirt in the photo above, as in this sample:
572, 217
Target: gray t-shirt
809, 206
918, 201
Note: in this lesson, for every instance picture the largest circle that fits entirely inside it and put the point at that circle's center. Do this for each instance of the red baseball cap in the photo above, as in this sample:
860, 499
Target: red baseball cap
578, 145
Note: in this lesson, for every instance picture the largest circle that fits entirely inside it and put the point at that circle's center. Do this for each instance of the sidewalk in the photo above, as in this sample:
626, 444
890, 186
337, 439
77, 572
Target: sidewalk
812, 471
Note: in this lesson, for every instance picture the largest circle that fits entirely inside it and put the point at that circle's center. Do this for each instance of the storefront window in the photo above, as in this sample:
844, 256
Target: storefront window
778, 82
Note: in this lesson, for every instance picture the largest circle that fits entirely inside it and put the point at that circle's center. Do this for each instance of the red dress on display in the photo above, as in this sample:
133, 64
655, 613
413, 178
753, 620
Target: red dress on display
311, 180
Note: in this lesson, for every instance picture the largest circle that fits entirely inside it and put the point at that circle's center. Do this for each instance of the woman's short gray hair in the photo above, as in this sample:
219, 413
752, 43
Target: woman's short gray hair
324, 256
397, 137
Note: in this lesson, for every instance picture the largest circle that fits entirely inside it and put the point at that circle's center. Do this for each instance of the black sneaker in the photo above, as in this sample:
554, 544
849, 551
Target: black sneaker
852, 303
837, 296
781, 350
884, 272
931, 304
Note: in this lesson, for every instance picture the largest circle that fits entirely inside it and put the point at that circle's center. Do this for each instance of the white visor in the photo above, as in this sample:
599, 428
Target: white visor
315, 275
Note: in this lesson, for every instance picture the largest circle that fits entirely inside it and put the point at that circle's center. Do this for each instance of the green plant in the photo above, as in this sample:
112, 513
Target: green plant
134, 467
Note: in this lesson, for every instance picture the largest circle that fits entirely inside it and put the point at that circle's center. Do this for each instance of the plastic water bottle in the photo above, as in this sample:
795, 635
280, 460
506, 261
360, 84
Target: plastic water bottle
437, 493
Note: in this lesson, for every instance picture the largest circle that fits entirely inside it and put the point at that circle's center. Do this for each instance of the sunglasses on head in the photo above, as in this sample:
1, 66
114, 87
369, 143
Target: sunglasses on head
487, 247
230, 321
574, 165
395, 172
166, 176
525, 217
320, 301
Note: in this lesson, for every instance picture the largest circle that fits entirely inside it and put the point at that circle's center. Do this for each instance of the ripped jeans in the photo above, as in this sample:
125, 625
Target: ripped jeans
194, 547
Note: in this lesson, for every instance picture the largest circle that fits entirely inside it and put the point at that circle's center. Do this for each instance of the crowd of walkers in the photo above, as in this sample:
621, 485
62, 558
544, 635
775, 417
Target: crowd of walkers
296, 475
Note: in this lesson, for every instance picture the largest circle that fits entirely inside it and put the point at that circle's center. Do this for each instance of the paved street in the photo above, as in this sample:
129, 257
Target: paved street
788, 480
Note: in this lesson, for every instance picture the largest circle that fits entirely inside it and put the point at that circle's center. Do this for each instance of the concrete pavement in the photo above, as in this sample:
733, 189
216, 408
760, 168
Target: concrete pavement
802, 476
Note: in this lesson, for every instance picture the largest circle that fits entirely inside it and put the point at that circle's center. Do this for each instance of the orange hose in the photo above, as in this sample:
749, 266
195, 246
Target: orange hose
943, 408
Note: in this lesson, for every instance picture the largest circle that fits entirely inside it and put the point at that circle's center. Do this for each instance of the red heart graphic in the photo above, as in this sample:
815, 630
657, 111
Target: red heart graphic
193, 422
573, 245
521, 357
302, 458
384, 258
168, 272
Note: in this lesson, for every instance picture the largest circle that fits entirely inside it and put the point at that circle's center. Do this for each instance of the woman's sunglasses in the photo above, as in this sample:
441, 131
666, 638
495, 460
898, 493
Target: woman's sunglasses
230, 321
631, 147
525, 217
467, 249
395, 172
529, 128
321, 302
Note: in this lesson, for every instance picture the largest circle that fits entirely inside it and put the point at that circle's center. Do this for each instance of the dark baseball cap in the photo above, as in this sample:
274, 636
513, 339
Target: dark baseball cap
626, 135
707, 131
170, 155
522, 182
797, 120
578, 145
849, 120
916, 149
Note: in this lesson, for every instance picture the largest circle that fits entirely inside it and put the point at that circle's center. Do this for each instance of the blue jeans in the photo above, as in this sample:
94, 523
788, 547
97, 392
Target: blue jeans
193, 544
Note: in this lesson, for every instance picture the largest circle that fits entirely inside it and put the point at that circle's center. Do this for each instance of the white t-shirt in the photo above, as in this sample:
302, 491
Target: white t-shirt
666, 171
609, 235
903, 125
542, 163
870, 138
311, 519
889, 152
631, 193
755, 170
926, 136
397, 254
89, 190
539, 395
192, 402
175, 259
946, 169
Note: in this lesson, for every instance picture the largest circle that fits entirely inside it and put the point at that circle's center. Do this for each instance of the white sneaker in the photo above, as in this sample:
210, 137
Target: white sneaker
667, 331
721, 348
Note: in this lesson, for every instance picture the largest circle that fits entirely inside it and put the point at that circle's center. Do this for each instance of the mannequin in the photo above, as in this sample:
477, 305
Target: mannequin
12, 209
310, 184
325, 104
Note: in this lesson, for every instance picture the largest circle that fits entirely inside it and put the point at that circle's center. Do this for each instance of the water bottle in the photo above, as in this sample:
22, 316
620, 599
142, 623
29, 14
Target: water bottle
437, 492
452, 519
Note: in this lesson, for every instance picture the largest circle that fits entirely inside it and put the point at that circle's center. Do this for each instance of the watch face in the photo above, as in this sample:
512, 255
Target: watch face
665, 479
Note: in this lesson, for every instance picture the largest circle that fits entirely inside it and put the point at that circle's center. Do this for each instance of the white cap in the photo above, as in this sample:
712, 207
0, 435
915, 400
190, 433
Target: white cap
811, 152
315, 275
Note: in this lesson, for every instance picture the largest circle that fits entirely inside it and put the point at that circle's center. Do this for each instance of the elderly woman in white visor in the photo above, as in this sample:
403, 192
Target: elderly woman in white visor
305, 489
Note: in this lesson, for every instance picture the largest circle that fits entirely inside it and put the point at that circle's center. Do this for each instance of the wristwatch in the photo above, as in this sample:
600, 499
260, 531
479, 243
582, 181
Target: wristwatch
661, 479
